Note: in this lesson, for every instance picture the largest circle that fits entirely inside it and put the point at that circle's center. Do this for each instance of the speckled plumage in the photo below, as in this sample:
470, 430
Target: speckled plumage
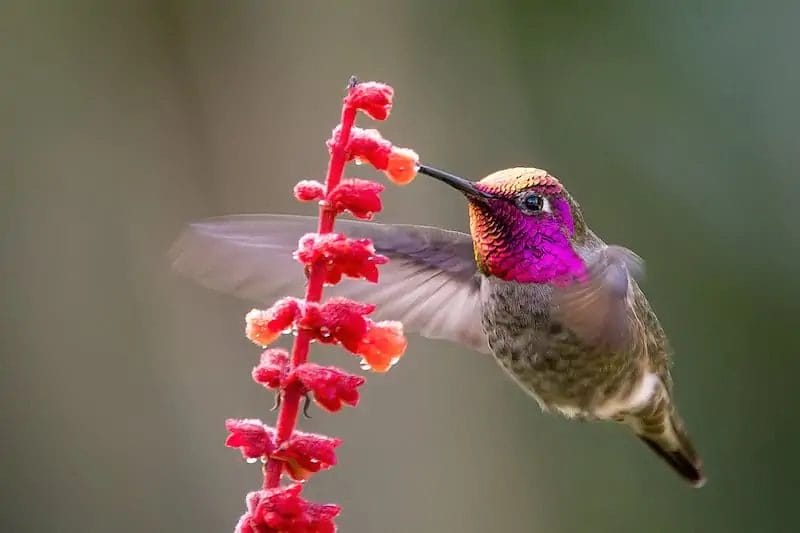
550, 361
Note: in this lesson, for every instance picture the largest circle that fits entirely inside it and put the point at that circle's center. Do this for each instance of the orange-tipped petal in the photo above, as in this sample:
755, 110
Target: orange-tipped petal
263, 327
383, 345
402, 166
257, 328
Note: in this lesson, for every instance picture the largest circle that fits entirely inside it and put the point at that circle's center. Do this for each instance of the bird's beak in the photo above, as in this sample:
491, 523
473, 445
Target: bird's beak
465, 186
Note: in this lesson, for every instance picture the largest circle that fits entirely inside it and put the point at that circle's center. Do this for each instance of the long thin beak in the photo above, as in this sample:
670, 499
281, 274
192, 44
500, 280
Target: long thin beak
465, 186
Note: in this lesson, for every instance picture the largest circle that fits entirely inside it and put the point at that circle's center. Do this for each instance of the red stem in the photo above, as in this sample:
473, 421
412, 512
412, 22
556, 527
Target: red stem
290, 406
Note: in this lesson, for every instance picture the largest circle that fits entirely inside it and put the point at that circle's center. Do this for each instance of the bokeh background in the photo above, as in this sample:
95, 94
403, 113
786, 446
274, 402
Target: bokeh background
674, 123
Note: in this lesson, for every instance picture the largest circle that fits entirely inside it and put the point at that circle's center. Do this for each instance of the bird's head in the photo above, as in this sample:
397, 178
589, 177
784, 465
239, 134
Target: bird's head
524, 224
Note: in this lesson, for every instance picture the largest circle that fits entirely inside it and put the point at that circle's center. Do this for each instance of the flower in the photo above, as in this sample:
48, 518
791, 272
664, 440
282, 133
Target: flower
251, 436
373, 98
309, 190
355, 258
283, 510
382, 345
360, 197
338, 320
263, 327
365, 145
319, 517
329, 386
399, 164
306, 454
402, 166
303, 453
272, 367
343, 321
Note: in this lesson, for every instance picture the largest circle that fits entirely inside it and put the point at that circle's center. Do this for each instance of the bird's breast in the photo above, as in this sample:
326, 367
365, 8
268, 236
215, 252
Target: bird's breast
546, 359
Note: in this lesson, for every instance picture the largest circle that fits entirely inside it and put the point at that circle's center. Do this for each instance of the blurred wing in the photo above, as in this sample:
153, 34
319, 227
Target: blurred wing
430, 283
598, 309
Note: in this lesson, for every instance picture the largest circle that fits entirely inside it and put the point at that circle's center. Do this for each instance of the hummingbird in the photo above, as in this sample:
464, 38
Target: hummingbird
531, 284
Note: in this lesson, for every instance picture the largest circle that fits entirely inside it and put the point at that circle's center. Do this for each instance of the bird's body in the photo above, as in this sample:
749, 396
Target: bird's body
563, 372
549, 361
566, 375
559, 309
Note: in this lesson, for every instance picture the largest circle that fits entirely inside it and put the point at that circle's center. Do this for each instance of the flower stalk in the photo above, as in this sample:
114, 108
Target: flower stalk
327, 257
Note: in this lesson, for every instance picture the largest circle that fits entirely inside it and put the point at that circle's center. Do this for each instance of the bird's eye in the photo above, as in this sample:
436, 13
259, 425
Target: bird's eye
534, 203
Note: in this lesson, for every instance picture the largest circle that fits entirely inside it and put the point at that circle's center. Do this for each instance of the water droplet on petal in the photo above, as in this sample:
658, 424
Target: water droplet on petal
251, 460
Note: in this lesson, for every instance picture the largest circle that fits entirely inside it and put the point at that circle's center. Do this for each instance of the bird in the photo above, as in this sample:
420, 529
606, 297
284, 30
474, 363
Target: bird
561, 311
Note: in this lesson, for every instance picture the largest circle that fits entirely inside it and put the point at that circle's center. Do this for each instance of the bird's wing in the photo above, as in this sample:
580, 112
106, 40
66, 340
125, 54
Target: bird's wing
599, 308
430, 282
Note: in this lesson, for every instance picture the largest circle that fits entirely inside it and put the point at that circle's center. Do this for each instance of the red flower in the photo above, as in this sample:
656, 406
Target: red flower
355, 258
251, 436
303, 453
271, 370
399, 164
263, 327
382, 345
365, 145
306, 454
344, 321
360, 197
338, 320
373, 98
330, 386
319, 517
283, 510
309, 190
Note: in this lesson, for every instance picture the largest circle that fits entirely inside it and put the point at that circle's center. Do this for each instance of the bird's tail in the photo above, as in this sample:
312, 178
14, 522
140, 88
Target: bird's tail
660, 427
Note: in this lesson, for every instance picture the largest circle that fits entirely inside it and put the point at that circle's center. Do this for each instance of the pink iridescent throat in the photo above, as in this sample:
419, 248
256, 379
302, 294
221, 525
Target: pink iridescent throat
513, 246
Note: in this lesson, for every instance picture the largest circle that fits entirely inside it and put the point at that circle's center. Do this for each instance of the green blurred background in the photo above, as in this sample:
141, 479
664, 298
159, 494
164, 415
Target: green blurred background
674, 123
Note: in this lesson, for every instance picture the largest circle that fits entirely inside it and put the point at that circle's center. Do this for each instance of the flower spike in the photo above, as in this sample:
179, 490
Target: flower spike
327, 257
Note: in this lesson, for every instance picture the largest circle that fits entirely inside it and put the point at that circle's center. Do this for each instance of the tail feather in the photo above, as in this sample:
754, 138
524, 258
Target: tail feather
661, 429
682, 459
